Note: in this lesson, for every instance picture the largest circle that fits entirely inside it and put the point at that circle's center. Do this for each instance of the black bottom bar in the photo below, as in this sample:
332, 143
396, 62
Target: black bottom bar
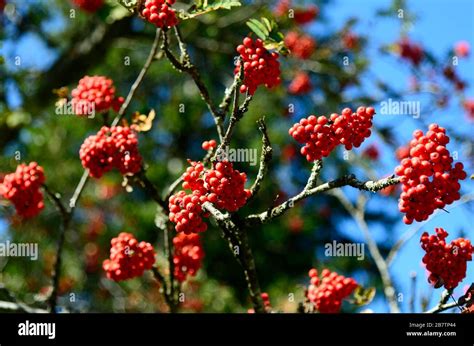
241, 329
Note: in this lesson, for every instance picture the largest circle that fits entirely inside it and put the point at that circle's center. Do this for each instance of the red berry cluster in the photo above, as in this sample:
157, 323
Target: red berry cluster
260, 66
429, 180
223, 186
301, 46
128, 258
208, 145
95, 94
446, 263
188, 255
462, 49
282, 7
321, 135
410, 51
160, 13
186, 211
90, 6
114, 147
301, 84
226, 186
327, 292
22, 188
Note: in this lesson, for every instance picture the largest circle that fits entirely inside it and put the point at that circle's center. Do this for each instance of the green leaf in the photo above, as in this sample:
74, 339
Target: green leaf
258, 28
203, 6
269, 24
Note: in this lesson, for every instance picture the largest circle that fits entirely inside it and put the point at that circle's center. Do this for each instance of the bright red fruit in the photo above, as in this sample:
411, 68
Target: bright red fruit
160, 13
300, 45
261, 67
410, 51
222, 186
430, 181
95, 94
446, 263
128, 258
114, 147
327, 292
301, 84
22, 188
187, 256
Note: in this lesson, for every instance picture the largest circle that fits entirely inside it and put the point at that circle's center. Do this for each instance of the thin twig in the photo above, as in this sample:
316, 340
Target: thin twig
265, 158
85, 177
186, 66
358, 214
347, 180
414, 230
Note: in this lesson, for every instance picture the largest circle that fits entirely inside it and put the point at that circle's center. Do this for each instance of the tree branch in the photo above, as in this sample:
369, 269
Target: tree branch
185, 65
238, 242
138, 81
265, 158
347, 180
358, 214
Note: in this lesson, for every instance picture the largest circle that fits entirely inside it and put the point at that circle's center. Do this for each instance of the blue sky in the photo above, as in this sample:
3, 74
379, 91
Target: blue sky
440, 24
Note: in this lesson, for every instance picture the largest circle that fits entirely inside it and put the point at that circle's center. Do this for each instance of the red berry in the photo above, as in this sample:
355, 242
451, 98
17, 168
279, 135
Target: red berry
372, 152
128, 258
429, 180
226, 186
260, 66
446, 263
469, 108
208, 145
462, 49
22, 188
160, 13
95, 94
306, 15
115, 147
301, 46
301, 84
188, 255
327, 292
223, 186
90, 6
